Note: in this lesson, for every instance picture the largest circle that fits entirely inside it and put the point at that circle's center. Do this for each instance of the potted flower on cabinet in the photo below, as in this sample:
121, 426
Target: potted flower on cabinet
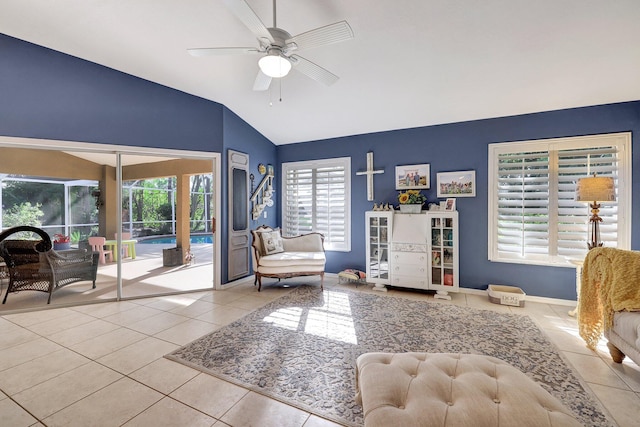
411, 201
61, 242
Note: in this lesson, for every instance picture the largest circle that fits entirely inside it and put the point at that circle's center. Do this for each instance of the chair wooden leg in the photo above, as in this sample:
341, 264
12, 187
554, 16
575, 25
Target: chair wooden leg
322, 281
616, 354
7, 293
259, 282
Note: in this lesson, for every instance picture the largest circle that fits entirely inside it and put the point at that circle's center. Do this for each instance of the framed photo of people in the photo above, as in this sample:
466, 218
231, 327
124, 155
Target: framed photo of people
413, 177
457, 184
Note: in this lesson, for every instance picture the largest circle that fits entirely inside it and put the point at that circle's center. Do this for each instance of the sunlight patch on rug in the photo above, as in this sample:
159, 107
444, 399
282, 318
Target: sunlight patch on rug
333, 320
301, 348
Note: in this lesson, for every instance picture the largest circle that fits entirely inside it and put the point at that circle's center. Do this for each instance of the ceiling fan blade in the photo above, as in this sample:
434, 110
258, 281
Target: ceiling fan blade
262, 82
243, 11
211, 51
313, 71
333, 33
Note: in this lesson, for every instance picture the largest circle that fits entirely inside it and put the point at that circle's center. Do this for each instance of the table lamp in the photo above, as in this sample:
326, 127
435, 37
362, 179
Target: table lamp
595, 189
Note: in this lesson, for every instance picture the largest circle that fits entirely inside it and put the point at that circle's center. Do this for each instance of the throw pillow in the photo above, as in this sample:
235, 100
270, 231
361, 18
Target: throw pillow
257, 237
272, 242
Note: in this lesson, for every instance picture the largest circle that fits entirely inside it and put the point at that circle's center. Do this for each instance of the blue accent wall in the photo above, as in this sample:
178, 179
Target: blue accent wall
50, 95
464, 146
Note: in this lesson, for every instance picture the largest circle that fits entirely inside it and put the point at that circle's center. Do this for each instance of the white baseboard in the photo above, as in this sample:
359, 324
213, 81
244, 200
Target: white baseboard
532, 298
480, 292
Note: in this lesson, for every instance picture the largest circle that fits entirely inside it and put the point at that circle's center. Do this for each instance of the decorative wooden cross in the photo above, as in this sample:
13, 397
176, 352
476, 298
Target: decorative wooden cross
370, 172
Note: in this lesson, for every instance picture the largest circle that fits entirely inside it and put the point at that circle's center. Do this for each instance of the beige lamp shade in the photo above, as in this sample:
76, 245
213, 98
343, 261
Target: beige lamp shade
595, 189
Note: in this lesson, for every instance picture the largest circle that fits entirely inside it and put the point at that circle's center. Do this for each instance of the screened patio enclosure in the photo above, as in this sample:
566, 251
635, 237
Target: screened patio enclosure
57, 206
151, 203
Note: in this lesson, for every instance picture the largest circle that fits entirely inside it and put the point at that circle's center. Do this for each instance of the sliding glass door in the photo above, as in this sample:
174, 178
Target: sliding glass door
155, 214
58, 192
167, 242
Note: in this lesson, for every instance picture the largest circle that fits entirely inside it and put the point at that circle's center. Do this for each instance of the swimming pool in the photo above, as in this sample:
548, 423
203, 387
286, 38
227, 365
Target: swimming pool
171, 240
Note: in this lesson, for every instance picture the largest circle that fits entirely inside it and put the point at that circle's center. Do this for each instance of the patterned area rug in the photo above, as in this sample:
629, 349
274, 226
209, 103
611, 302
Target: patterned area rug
301, 349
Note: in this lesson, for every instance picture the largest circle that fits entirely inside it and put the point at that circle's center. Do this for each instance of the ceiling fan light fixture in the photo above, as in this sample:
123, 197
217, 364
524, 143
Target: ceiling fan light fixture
274, 65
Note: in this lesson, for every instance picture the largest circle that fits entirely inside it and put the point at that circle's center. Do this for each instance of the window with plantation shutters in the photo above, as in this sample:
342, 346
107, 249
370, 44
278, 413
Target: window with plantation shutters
533, 215
316, 198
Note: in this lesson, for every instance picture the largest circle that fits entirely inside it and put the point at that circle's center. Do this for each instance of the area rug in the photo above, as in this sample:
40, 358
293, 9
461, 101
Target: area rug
301, 348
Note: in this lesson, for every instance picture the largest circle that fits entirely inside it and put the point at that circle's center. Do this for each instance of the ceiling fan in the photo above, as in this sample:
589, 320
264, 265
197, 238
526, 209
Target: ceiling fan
277, 47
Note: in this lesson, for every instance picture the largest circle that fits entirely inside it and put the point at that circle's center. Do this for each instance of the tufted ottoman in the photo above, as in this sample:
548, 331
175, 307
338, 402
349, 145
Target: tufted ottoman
441, 389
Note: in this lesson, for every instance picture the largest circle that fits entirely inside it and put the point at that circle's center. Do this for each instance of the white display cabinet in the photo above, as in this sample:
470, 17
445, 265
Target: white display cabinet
424, 252
378, 226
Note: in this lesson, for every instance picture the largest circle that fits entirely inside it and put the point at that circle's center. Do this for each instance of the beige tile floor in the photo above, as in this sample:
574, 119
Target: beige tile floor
103, 365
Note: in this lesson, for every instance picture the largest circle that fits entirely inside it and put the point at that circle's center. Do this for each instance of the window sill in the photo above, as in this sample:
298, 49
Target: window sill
555, 262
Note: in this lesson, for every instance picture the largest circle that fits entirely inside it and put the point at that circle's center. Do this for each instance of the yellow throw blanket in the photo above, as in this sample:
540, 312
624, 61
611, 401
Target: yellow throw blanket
610, 283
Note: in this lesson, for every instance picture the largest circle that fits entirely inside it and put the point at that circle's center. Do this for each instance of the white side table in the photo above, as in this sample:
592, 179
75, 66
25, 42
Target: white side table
577, 263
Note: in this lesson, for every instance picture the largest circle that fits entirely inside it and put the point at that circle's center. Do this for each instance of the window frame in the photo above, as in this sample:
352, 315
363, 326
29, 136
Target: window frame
621, 140
344, 162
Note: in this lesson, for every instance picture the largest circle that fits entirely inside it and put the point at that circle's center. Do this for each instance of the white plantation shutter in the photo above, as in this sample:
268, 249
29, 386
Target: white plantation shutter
317, 198
298, 208
533, 215
573, 216
523, 203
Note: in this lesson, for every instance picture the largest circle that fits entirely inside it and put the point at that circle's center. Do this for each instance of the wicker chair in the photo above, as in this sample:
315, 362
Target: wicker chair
34, 266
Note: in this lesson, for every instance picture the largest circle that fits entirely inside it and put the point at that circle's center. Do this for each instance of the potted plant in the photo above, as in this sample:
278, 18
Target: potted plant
61, 242
411, 201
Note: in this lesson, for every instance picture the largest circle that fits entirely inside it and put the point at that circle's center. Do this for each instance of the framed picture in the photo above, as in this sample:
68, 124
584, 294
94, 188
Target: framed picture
450, 205
457, 184
412, 177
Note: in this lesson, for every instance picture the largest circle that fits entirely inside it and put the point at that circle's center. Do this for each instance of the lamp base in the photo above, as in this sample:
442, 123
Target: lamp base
592, 245
595, 228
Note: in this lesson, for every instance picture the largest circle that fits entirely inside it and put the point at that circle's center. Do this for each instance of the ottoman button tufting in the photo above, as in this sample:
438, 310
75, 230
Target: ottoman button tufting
386, 379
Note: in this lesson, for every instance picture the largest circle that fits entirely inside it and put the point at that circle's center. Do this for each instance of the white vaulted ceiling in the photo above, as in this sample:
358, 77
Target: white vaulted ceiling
412, 62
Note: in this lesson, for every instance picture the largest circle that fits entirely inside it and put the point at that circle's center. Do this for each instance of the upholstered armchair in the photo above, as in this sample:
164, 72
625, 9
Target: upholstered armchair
33, 264
610, 301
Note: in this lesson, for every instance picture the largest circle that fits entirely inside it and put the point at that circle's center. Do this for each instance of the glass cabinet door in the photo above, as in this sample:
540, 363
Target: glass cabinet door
378, 233
447, 251
444, 253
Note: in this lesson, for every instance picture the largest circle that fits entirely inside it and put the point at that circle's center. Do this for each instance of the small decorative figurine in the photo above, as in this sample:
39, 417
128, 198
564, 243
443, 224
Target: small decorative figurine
189, 258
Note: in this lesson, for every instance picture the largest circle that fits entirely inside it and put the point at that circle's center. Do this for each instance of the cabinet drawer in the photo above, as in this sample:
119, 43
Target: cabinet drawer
408, 247
409, 281
419, 270
409, 257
